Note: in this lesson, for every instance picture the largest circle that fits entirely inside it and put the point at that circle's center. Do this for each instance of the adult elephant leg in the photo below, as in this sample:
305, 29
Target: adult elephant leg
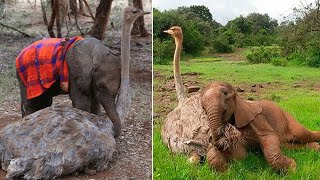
270, 145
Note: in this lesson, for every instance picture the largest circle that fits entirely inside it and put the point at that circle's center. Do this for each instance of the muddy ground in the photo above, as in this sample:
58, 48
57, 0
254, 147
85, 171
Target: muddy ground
133, 156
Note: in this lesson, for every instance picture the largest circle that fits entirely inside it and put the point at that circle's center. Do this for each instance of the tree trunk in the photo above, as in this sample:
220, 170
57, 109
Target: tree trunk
44, 14
58, 19
2, 9
81, 10
101, 19
138, 26
55, 9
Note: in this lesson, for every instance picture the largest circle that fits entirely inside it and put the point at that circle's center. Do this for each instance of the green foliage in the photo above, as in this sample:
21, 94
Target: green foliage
279, 61
313, 51
162, 51
298, 40
194, 31
262, 54
221, 44
197, 11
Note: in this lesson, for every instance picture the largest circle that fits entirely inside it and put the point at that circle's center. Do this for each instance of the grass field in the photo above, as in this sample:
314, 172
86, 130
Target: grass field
295, 89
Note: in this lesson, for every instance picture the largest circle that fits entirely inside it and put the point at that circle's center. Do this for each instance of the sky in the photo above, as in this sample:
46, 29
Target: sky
225, 10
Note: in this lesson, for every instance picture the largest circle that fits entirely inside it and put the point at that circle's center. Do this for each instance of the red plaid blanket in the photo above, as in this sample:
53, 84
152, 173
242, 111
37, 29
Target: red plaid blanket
39, 64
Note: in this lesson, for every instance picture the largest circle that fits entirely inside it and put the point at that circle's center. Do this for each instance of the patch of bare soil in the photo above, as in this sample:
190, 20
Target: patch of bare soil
133, 155
237, 55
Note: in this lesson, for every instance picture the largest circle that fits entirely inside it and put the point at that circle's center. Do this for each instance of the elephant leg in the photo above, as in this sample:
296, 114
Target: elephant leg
35, 104
80, 98
299, 133
312, 145
95, 105
270, 145
239, 153
216, 159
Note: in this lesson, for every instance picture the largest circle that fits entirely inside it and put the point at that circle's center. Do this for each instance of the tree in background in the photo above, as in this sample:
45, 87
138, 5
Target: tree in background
101, 19
138, 26
299, 36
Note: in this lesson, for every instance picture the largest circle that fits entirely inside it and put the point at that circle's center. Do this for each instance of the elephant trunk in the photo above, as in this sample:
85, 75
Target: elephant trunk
111, 112
214, 112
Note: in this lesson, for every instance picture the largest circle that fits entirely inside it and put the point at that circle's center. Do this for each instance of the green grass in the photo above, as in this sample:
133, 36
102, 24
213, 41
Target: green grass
302, 101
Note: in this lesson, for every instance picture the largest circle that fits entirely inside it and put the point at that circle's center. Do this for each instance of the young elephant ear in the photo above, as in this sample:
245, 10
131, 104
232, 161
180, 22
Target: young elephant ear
245, 112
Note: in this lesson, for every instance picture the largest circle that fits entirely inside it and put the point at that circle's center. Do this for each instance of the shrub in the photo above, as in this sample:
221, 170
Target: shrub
313, 53
221, 44
262, 54
279, 61
162, 51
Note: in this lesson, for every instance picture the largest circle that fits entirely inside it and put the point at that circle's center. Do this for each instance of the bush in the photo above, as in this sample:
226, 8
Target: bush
194, 42
221, 44
262, 54
313, 53
162, 51
279, 61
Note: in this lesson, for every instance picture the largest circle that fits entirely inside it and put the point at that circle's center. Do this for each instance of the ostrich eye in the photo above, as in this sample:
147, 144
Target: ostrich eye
172, 30
135, 11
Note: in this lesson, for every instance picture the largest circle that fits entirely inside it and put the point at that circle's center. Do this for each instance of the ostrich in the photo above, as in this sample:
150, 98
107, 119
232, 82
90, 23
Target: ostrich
185, 129
57, 141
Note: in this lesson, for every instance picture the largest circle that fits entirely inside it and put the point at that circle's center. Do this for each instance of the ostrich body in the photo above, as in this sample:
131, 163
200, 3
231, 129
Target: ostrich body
185, 129
61, 140
56, 141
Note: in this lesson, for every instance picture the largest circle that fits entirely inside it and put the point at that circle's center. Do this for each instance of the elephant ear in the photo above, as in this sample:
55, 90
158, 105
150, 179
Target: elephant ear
245, 112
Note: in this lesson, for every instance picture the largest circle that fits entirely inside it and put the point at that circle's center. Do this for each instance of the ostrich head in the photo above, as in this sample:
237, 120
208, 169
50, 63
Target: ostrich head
175, 31
132, 13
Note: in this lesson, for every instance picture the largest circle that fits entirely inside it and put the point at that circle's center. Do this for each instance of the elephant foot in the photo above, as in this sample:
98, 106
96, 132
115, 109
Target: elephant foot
216, 159
314, 146
285, 165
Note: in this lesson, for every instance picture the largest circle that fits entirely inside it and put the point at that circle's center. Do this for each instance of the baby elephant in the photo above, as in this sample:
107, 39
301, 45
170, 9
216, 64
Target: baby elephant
261, 123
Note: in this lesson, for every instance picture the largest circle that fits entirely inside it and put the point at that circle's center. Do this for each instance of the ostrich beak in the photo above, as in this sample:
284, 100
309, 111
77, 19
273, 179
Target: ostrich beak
169, 31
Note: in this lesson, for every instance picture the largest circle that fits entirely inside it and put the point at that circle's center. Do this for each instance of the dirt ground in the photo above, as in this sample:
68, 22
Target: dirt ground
133, 155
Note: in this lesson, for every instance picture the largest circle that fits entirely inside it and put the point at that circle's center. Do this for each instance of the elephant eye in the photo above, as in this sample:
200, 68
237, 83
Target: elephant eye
224, 92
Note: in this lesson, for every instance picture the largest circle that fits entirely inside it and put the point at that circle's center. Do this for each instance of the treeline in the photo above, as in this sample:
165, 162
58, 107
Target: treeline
295, 41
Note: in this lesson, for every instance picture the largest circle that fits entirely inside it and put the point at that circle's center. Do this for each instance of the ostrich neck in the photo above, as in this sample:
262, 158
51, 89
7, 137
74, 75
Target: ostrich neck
176, 72
123, 100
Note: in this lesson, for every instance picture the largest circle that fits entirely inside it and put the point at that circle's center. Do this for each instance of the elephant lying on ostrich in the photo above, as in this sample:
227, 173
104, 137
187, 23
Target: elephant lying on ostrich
194, 126
95, 75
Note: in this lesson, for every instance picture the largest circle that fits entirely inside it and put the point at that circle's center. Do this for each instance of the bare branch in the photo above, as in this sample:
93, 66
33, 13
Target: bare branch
9, 27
